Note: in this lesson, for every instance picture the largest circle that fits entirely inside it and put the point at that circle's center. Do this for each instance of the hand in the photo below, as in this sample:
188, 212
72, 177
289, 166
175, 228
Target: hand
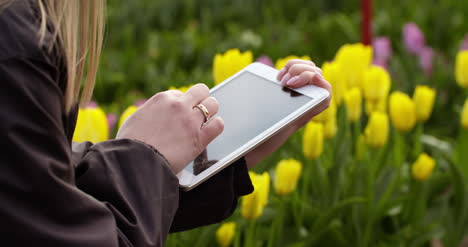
295, 74
169, 122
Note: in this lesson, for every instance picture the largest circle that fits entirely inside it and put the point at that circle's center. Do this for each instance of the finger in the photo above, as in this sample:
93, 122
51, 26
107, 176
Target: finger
210, 130
175, 92
211, 105
298, 68
308, 77
290, 63
197, 94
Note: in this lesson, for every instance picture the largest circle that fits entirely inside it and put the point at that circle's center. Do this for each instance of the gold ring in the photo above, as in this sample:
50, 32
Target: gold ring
205, 111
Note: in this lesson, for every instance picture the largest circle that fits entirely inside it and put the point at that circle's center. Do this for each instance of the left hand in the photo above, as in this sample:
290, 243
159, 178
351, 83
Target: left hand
295, 74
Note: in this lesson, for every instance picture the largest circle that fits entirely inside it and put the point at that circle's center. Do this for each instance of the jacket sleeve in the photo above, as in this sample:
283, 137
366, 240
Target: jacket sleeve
122, 192
214, 200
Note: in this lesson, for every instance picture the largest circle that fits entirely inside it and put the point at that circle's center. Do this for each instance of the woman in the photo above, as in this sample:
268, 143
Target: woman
121, 192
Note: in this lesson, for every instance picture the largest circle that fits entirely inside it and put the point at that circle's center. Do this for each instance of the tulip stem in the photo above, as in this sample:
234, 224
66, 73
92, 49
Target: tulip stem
305, 190
418, 148
399, 149
250, 233
276, 228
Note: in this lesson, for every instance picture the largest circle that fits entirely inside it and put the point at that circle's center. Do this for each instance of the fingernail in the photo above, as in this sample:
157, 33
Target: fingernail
285, 78
292, 81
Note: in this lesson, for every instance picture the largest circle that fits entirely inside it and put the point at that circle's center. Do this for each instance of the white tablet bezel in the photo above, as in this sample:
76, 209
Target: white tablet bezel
188, 181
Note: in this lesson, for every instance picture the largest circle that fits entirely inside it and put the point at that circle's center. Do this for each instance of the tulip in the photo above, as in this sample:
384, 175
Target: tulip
252, 205
328, 119
229, 63
426, 57
287, 174
464, 44
353, 101
376, 84
330, 128
423, 97
327, 114
280, 63
91, 125
423, 167
225, 234
265, 60
353, 60
333, 74
461, 71
402, 111
379, 106
111, 120
377, 130
126, 114
382, 48
312, 140
464, 115
380, 63
413, 38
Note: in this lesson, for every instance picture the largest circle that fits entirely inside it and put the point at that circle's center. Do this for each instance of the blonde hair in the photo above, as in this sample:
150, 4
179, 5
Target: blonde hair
79, 29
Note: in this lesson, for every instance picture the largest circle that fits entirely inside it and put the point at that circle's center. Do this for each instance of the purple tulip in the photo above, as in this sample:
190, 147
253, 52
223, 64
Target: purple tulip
413, 38
265, 60
111, 121
464, 45
382, 48
381, 63
426, 58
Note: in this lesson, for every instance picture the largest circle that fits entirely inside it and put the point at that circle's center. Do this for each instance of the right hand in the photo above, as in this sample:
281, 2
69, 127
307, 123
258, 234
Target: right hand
169, 122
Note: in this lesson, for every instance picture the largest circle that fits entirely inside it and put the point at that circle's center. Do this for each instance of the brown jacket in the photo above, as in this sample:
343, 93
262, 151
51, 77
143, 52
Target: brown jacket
114, 193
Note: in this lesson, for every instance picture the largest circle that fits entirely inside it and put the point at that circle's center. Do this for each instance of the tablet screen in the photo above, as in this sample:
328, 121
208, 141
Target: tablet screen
249, 105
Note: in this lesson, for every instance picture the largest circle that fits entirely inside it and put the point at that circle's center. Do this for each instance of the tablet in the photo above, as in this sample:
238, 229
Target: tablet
254, 106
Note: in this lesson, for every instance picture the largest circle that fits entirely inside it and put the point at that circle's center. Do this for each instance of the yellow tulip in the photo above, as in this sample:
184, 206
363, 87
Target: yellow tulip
464, 115
333, 74
461, 71
377, 130
312, 140
376, 84
91, 125
127, 113
353, 101
183, 89
379, 106
423, 167
330, 128
281, 62
229, 63
252, 205
287, 174
225, 234
354, 59
423, 97
327, 114
402, 111
328, 119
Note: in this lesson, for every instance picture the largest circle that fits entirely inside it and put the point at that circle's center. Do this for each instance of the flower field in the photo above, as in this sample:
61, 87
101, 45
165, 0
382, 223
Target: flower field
385, 165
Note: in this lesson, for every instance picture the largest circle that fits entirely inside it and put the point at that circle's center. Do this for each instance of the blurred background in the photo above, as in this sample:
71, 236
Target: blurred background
151, 46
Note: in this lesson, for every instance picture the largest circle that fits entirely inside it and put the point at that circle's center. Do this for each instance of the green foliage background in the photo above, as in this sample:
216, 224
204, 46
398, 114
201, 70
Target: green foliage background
151, 45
